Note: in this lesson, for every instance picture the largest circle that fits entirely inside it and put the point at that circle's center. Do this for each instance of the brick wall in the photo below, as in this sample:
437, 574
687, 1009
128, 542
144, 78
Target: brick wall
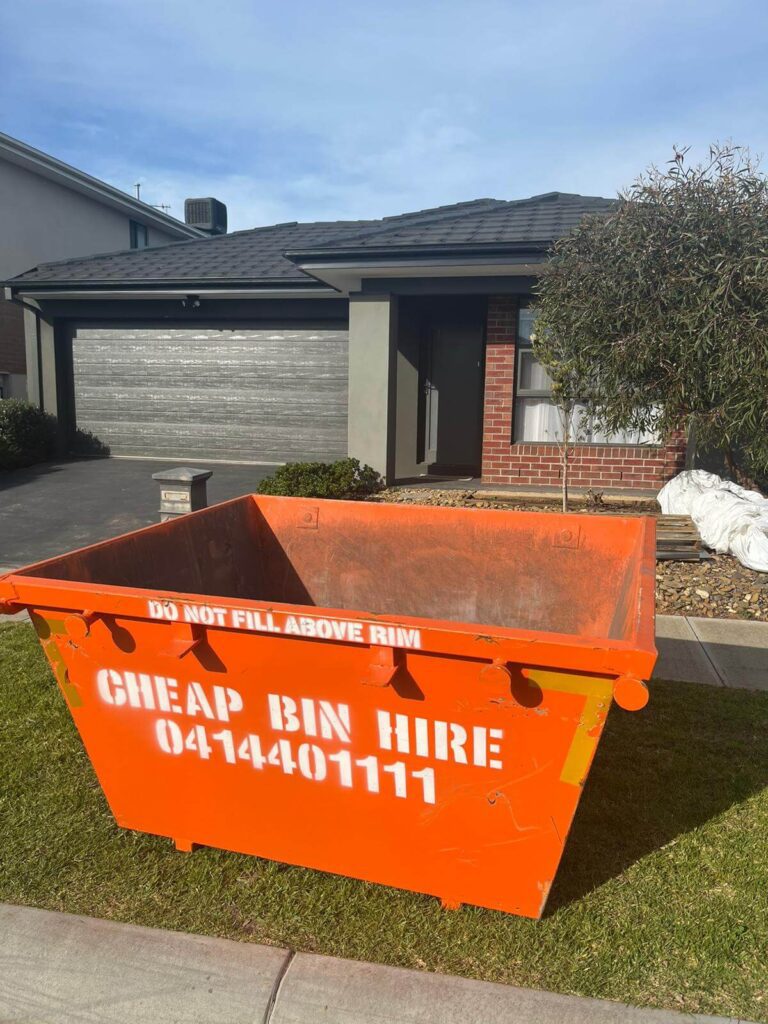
12, 358
526, 464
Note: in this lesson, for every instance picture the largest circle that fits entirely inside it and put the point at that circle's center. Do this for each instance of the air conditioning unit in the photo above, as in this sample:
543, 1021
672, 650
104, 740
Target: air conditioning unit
206, 214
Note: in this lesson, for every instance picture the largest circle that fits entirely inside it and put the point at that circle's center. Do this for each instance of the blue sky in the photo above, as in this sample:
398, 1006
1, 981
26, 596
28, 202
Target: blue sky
312, 111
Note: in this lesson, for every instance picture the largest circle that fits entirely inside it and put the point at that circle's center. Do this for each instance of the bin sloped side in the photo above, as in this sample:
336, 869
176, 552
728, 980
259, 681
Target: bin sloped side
212, 552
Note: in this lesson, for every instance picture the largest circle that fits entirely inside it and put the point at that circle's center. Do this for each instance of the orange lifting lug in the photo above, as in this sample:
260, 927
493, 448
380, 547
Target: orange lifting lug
497, 672
630, 693
8, 605
78, 626
186, 637
385, 661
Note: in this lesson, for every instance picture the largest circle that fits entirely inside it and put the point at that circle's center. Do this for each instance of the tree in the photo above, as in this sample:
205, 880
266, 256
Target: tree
659, 311
568, 390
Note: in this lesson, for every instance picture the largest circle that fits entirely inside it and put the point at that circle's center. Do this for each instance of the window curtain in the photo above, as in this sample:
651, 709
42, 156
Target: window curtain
539, 419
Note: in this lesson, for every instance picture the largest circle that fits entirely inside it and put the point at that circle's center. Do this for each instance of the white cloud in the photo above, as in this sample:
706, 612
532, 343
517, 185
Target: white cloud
316, 111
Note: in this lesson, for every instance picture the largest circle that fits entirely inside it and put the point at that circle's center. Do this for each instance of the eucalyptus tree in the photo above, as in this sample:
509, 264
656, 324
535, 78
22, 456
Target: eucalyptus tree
657, 314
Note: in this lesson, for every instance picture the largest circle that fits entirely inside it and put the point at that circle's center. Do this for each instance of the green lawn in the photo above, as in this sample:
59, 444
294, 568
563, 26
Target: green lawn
661, 900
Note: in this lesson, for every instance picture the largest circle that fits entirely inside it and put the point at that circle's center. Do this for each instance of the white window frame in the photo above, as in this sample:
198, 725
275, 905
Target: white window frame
523, 346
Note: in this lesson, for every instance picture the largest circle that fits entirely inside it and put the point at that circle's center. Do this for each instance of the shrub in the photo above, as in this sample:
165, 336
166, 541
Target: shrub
85, 442
27, 434
345, 478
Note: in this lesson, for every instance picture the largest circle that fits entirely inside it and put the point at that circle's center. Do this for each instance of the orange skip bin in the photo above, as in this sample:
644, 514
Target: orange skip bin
408, 695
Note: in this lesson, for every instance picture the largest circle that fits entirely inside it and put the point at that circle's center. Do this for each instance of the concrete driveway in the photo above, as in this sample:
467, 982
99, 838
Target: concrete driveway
58, 506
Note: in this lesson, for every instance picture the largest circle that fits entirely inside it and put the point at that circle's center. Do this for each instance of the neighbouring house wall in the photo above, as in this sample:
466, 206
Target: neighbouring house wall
41, 221
638, 467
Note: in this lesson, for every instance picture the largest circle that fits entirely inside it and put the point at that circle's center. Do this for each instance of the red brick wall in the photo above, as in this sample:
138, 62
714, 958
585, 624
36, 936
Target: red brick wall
594, 465
12, 357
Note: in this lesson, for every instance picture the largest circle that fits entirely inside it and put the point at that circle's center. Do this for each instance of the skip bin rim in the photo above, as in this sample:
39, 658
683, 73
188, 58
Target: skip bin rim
636, 653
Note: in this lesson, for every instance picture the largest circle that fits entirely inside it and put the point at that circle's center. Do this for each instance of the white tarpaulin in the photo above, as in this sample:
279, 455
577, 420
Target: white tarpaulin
730, 519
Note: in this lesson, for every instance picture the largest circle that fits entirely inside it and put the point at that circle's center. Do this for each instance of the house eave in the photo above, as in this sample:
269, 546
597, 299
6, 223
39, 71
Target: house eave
347, 277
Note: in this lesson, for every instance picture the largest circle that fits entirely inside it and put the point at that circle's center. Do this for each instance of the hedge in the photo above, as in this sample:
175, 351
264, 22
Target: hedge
27, 434
345, 478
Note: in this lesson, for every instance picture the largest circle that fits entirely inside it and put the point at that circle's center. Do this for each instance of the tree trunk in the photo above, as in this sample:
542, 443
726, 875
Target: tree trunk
565, 452
565, 479
690, 446
730, 462
739, 475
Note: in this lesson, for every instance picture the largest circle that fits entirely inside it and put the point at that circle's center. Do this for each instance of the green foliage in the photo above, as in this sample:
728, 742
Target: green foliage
345, 478
85, 442
27, 434
658, 313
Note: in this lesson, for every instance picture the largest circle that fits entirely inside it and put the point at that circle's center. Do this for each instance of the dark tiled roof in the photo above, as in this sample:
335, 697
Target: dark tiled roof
538, 219
242, 256
440, 212
257, 256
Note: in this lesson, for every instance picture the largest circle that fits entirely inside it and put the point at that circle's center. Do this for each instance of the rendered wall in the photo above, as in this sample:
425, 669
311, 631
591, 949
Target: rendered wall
372, 370
41, 221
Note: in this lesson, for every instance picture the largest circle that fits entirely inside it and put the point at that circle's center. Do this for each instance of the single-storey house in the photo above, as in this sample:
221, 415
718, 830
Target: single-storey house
51, 211
404, 342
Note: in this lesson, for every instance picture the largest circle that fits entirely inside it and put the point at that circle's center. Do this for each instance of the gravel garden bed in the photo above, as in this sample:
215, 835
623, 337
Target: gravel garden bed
719, 587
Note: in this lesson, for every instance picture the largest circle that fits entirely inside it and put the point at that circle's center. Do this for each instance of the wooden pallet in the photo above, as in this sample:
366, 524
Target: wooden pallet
677, 538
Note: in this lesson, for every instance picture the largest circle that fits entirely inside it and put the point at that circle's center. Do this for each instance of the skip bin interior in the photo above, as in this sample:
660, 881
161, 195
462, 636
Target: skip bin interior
573, 574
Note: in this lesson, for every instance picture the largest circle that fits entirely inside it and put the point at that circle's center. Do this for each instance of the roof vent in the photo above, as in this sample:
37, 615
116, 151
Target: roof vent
207, 215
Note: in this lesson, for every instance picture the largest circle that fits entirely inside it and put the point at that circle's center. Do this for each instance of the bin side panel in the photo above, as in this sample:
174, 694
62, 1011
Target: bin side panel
452, 780
214, 551
548, 572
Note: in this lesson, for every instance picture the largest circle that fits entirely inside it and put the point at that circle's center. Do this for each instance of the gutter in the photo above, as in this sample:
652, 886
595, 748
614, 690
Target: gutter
142, 290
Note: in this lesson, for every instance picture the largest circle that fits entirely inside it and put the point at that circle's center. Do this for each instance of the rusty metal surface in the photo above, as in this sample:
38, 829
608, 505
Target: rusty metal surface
407, 695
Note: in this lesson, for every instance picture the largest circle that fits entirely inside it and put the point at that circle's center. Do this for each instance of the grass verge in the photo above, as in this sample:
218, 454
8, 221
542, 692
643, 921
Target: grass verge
661, 899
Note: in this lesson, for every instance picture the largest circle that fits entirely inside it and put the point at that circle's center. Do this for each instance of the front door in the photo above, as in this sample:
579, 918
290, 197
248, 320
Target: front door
452, 382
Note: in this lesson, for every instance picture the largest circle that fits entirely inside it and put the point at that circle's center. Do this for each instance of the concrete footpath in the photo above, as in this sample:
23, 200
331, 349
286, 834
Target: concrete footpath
718, 652
58, 968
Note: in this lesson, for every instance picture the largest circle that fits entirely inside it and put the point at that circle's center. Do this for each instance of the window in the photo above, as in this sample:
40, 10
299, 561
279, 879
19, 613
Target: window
139, 235
536, 417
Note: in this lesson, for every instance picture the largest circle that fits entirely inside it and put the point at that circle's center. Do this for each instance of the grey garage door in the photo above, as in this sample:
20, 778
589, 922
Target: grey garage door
262, 395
